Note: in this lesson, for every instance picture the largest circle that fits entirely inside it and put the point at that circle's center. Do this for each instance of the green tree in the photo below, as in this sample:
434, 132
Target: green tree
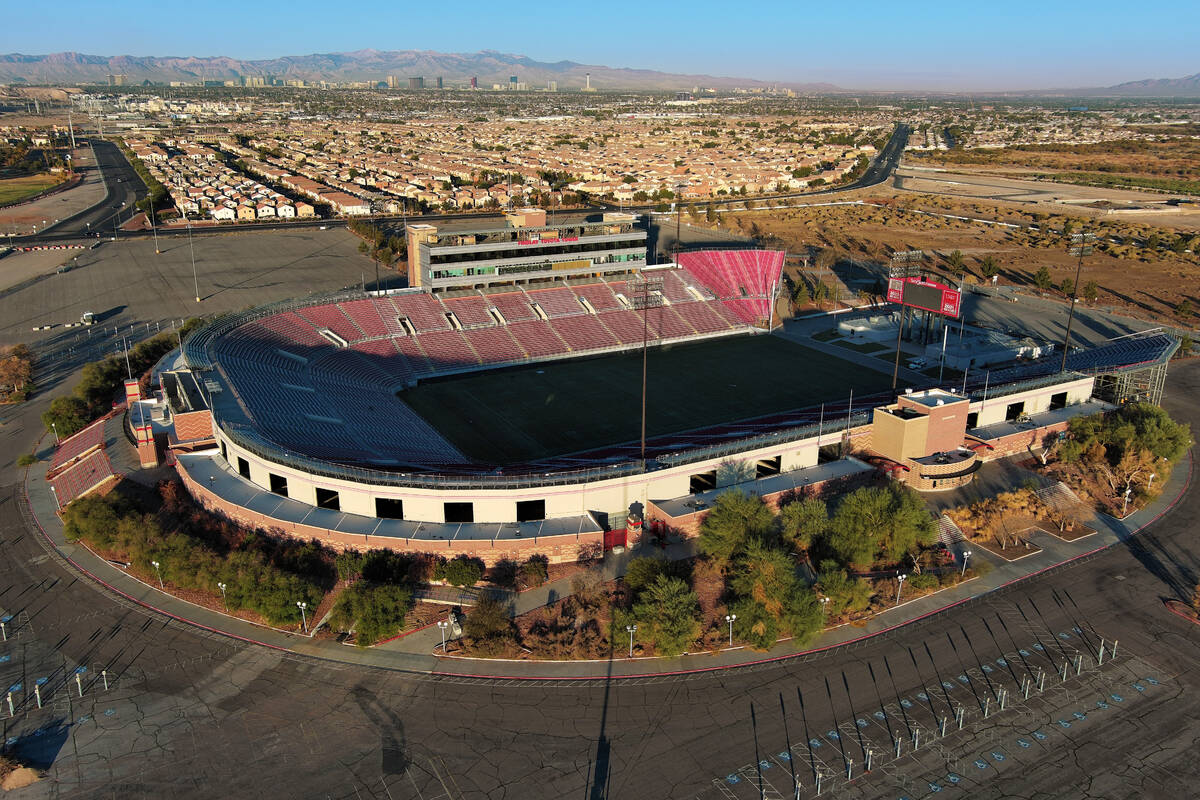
879, 523
373, 611
641, 572
1042, 279
957, 263
734, 518
668, 615
534, 571
988, 268
803, 522
1091, 290
844, 593
1184, 308
66, 415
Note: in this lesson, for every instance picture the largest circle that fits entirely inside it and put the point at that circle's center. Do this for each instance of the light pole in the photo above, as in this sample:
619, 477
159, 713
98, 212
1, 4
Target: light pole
442, 626
1081, 245
1125, 505
55, 429
303, 617
899, 586
631, 629
224, 600
158, 572
116, 221
192, 250
153, 229
824, 610
966, 554
730, 618
57, 504
1150, 482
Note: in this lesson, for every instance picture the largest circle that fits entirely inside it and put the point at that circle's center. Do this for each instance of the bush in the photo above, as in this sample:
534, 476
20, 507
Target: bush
923, 581
754, 624
641, 572
463, 571
26, 460
488, 625
535, 571
374, 611
844, 593
114, 526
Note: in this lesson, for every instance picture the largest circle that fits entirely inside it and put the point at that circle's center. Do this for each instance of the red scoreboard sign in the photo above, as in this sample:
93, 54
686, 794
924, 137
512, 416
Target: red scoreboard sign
925, 294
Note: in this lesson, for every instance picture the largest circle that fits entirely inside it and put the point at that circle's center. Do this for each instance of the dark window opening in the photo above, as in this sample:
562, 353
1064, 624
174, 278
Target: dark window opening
328, 498
767, 467
1014, 411
703, 482
1058, 401
389, 508
224, 452
972, 420
278, 485
460, 512
531, 510
243, 468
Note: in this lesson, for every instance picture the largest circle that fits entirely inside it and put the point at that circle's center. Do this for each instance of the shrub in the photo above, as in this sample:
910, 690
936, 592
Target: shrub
463, 571
754, 624
534, 571
641, 572
488, 624
844, 593
923, 581
374, 611
26, 460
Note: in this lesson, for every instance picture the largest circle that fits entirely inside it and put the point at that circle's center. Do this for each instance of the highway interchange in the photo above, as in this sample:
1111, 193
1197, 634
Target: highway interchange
191, 713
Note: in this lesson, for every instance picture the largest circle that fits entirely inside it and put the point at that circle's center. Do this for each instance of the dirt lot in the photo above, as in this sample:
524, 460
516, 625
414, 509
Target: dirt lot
1171, 163
1136, 266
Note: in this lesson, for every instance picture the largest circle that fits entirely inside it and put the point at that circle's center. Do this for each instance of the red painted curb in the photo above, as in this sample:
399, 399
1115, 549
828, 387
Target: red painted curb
131, 598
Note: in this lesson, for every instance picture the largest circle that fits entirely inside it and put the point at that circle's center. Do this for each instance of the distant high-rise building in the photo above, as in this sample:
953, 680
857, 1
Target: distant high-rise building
416, 83
512, 82
551, 86
587, 86
439, 81
392, 81
116, 80
474, 81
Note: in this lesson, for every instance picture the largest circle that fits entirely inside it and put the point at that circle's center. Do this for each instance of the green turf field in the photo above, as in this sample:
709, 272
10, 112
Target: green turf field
514, 415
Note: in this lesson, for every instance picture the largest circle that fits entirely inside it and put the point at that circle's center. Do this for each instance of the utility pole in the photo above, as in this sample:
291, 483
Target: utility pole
1081, 245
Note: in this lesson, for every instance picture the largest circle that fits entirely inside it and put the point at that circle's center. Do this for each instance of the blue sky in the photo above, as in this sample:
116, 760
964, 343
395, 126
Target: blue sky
855, 44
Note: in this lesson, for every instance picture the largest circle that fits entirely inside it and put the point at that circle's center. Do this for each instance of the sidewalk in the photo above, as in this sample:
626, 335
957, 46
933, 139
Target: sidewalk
414, 653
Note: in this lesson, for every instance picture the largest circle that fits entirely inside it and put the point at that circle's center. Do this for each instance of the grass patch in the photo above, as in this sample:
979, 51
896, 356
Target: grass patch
526, 413
862, 347
1106, 181
16, 190
827, 336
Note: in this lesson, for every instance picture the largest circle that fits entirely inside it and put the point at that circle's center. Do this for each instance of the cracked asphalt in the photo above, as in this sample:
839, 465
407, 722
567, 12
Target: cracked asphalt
192, 714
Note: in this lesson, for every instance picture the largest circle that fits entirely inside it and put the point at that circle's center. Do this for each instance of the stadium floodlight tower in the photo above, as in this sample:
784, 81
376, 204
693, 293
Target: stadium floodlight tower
1081, 245
647, 294
905, 264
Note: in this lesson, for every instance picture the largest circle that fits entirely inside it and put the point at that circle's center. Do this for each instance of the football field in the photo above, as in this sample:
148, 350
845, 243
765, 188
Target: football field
526, 413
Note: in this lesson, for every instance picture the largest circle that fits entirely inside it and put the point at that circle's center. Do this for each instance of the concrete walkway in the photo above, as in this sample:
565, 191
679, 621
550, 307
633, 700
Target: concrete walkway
415, 652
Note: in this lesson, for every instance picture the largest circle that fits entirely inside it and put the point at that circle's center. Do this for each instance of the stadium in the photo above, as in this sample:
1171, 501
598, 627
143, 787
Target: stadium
495, 407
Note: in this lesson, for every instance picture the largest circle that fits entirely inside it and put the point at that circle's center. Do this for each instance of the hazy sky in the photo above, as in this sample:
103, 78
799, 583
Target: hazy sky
968, 44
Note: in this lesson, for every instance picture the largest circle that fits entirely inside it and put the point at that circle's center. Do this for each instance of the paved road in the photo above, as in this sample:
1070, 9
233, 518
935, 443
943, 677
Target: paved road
194, 715
123, 189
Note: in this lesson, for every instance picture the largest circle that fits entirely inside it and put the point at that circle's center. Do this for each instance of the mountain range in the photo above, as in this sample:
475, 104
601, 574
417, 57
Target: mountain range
488, 66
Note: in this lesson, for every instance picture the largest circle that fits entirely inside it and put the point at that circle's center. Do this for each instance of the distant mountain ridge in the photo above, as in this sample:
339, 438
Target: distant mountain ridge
489, 66
1188, 86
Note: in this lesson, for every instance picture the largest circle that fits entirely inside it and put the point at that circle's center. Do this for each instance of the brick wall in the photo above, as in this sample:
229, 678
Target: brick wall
558, 549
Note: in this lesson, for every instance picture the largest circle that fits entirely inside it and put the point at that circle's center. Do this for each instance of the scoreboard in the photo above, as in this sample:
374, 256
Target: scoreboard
926, 295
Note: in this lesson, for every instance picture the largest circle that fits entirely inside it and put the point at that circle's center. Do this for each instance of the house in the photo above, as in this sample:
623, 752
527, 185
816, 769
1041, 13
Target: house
222, 213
